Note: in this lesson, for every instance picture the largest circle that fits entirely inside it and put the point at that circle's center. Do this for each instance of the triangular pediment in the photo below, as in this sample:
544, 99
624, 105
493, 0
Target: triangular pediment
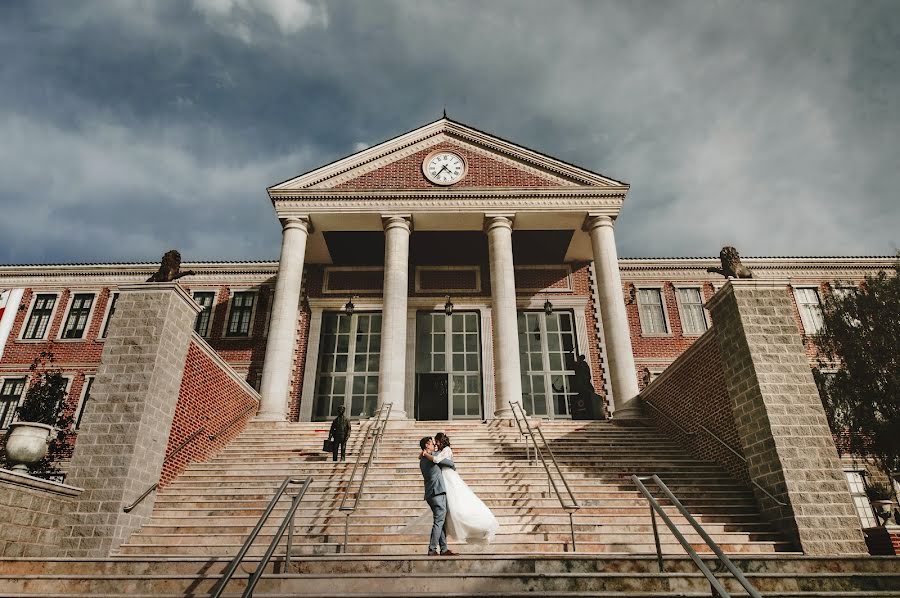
396, 164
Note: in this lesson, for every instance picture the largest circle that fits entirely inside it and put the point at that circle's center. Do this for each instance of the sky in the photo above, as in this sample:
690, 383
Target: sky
128, 127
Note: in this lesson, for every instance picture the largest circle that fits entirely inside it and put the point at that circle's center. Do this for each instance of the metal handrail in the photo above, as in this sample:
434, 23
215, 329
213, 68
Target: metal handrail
655, 508
184, 443
720, 441
571, 507
287, 521
376, 431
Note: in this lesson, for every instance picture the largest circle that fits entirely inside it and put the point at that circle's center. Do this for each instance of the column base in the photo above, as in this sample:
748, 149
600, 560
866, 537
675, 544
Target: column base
632, 413
270, 416
505, 413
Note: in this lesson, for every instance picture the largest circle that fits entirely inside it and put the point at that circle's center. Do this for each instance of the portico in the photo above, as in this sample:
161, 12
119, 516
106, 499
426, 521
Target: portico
374, 226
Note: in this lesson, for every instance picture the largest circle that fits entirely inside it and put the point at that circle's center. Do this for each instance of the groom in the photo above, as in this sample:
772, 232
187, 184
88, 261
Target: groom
435, 496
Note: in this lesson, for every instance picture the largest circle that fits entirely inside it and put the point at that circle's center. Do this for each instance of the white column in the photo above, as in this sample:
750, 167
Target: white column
392, 378
615, 321
276, 376
507, 371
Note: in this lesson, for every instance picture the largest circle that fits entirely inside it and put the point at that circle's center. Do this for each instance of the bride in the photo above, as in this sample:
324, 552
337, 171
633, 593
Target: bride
468, 519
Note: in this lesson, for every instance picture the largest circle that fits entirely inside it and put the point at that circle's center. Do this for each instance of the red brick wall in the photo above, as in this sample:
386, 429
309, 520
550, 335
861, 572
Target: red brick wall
895, 542
692, 393
483, 171
211, 398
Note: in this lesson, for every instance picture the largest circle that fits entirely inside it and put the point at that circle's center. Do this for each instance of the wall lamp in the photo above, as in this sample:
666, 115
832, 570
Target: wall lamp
349, 307
448, 307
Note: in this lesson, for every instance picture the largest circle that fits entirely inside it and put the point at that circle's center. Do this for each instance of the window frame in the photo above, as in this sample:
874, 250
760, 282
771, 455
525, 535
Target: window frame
800, 308
212, 308
82, 400
46, 335
349, 374
4, 415
661, 289
112, 298
60, 334
681, 311
232, 293
547, 373
865, 506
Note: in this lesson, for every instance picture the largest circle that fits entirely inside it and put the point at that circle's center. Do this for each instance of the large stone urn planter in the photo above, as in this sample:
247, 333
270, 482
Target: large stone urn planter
26, 444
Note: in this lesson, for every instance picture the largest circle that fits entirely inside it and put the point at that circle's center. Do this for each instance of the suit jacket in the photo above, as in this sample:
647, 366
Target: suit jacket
431, 472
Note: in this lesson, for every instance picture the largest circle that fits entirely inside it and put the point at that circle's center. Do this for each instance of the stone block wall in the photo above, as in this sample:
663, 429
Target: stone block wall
32, 514
126, 424
212, 396
692, 393
780, 420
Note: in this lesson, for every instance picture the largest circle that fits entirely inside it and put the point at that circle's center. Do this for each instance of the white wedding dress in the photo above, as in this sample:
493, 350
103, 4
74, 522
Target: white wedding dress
468, 519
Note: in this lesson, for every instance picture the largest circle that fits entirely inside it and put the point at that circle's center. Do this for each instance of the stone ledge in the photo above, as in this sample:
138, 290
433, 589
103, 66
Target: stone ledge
150, 287
26, 481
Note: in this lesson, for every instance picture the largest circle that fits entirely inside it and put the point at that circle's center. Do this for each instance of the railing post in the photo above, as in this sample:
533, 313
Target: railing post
659, 557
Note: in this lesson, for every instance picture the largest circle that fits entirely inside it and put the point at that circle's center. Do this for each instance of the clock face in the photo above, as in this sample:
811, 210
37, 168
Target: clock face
444, 168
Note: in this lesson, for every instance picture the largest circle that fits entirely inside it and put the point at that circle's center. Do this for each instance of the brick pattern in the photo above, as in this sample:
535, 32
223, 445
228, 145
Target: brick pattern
781, 422
693, 393
542, 278
350, 280
126, 424
482, 171
209, 398
30, 518
436, 280
895, 541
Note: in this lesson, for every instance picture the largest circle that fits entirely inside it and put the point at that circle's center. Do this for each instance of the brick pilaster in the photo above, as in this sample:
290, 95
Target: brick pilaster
125, 426
780, 419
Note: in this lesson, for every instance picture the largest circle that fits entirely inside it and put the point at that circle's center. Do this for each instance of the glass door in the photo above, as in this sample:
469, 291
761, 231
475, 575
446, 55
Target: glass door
349, 361
449, 346
547, 356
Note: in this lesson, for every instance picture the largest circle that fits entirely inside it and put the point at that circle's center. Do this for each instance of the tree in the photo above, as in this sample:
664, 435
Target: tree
44, 403
861, 338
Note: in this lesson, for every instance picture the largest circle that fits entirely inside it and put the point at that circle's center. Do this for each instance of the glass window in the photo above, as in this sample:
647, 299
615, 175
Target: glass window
10, 393
85, 397
39, 320
79, 311
547, 357
857, 485
651, 311
241, 313
693, 319
349, 362
205, 300
810, 309
113, 299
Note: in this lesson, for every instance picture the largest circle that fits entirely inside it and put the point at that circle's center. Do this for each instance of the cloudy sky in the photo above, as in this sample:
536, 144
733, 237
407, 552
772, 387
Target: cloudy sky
128, 127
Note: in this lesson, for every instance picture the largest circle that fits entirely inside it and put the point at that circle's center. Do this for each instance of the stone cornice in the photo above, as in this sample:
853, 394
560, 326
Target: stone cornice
437, 194
26, 481
33, 275
579, 199
431, 134
842, 267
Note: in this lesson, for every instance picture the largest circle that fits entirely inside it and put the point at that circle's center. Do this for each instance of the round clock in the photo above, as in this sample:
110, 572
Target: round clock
444, 168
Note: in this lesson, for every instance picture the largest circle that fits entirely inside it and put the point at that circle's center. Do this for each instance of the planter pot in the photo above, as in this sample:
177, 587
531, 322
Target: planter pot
27, 444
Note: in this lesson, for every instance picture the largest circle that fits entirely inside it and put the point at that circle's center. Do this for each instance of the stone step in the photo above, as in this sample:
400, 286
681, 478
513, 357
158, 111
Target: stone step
413, 584
418, 547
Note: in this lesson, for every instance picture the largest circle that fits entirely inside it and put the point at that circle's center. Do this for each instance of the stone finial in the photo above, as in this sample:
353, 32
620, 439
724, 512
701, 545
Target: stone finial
731, 264
170, 268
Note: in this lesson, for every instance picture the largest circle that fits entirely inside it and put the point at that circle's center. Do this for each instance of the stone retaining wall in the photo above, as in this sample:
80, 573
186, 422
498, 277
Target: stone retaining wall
32, 513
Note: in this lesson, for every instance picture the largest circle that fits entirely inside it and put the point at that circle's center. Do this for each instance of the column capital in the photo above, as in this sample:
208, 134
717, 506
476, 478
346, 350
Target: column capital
592, 221
389, 221
302, 223
494, 220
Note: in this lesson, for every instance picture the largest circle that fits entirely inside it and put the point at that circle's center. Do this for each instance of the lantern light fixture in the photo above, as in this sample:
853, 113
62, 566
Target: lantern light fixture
349, 307
448, 307
548, 307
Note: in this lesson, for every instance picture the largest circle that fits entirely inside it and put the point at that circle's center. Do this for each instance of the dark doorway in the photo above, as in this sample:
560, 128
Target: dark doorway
431, 397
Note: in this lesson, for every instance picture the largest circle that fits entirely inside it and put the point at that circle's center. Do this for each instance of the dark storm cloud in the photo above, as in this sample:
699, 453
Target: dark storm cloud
127, 127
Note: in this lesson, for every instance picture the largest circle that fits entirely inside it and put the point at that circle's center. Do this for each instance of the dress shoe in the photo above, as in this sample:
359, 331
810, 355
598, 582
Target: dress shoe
434, 553
449, 553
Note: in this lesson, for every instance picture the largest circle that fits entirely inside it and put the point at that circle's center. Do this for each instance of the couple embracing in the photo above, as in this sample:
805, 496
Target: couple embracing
457, 511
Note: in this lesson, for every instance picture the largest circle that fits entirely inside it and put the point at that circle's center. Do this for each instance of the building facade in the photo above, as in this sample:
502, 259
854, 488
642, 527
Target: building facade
445, 272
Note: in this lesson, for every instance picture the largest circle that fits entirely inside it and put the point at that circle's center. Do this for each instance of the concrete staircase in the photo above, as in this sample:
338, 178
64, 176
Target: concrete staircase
211, 508
201, 519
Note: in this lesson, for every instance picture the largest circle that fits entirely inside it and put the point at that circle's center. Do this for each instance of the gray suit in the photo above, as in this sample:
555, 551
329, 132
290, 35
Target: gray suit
436, 497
